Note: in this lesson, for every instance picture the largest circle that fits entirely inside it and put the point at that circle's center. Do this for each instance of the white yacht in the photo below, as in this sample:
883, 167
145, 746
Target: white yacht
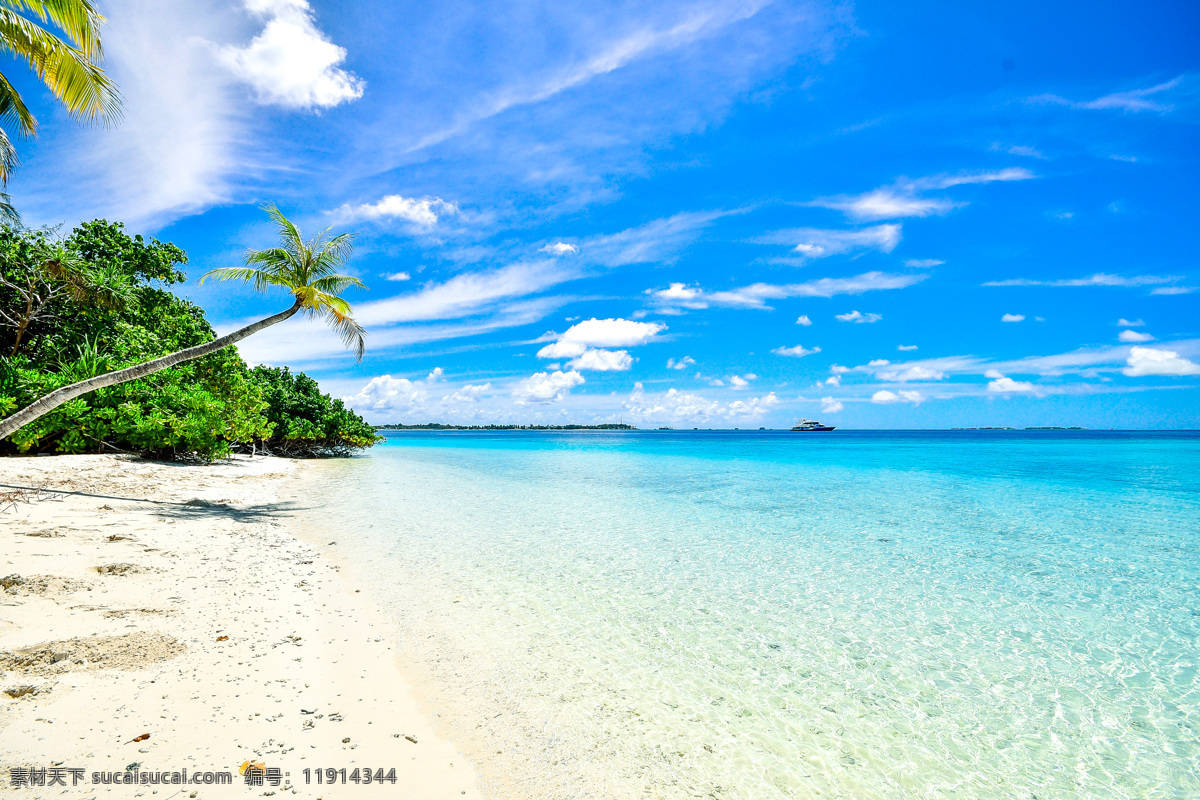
811, 425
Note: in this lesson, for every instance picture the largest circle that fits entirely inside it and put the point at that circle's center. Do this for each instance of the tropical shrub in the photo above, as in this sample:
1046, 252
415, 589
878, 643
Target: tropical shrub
108, 308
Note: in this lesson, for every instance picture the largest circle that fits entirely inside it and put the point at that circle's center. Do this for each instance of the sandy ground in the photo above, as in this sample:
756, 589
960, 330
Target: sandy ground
165, 617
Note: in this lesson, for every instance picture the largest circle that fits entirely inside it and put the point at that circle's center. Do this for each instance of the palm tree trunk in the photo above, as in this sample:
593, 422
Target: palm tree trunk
49, 402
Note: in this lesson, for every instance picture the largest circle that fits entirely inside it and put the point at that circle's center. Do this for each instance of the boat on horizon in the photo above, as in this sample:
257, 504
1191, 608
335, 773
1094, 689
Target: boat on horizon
811, 425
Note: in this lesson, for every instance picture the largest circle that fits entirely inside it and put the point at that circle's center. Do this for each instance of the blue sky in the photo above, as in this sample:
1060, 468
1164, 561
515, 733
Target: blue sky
709, 214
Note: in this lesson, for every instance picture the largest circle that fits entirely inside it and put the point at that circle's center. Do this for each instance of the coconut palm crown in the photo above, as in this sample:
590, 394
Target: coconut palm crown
307, 269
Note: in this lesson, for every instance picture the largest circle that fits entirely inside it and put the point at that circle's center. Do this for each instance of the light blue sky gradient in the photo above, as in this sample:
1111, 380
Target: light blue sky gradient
878, 214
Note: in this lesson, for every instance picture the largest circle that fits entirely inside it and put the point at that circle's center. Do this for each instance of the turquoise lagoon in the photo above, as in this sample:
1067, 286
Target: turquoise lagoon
776, 615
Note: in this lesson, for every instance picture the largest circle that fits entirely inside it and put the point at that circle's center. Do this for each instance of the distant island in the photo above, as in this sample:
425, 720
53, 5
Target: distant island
1039, 428
438, 426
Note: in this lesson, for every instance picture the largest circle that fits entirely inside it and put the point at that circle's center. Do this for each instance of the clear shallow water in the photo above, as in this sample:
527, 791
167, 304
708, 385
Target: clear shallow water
772, 615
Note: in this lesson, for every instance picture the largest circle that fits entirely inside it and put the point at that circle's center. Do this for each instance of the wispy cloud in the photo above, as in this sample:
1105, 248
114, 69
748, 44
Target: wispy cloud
812, 243
1133, 100
756, 295
904, 198
462, 295
1098, 279
609, 57
659, 241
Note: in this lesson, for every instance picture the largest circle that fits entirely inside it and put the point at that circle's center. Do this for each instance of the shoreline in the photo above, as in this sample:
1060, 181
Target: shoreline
178, 602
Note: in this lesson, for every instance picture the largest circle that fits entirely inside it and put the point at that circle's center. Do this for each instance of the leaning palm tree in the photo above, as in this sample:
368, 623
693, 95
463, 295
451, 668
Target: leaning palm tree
307, 269
67, 64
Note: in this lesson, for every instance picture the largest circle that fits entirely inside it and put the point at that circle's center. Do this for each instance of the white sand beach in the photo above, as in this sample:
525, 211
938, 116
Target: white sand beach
165, 617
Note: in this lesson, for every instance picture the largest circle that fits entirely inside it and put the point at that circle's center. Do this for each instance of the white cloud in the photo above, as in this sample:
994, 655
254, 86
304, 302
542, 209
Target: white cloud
585, 343
1124, 323
543, 387
601, 333
291, 63
1134, 336
1134, 101
423, 213
602, 360
682, 363
923, 262
916, 372
858, 317
678, 407
884, 397
878, 362
1099, 279
803, 320
830, 406
1002, 385
561, 349
1145, 361
1169, 290
798, 351
560, 249
753, 408
1013, 318
833, 380
397, 276
906, 347
397, 395
755, 295
469, 393
739, 382
887, 204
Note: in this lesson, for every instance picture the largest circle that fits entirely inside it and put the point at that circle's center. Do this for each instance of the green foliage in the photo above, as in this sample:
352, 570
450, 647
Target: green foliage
204, 408
307, 422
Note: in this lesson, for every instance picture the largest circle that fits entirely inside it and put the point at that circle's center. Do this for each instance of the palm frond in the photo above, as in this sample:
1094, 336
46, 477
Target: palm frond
293, 242
336, 284
79, 19
259, 279
334, 255
353, 335
68, 73
277, 261
13, 110
8, 212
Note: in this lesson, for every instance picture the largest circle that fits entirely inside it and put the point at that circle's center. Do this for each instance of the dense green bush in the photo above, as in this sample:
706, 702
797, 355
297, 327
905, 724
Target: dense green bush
89, 304
305, 421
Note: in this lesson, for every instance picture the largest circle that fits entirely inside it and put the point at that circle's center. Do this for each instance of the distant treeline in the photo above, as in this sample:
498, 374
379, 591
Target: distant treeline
437, 426
1039, 428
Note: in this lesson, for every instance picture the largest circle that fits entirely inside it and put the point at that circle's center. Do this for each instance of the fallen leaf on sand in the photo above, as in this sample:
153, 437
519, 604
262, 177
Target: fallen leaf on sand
222, 638
141, 738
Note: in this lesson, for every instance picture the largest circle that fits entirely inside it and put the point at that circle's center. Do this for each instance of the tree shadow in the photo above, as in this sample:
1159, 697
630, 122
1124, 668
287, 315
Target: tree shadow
207, 509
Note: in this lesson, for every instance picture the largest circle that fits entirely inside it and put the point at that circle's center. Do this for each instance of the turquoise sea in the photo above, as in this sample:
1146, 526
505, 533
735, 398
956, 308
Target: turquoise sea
773, 615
